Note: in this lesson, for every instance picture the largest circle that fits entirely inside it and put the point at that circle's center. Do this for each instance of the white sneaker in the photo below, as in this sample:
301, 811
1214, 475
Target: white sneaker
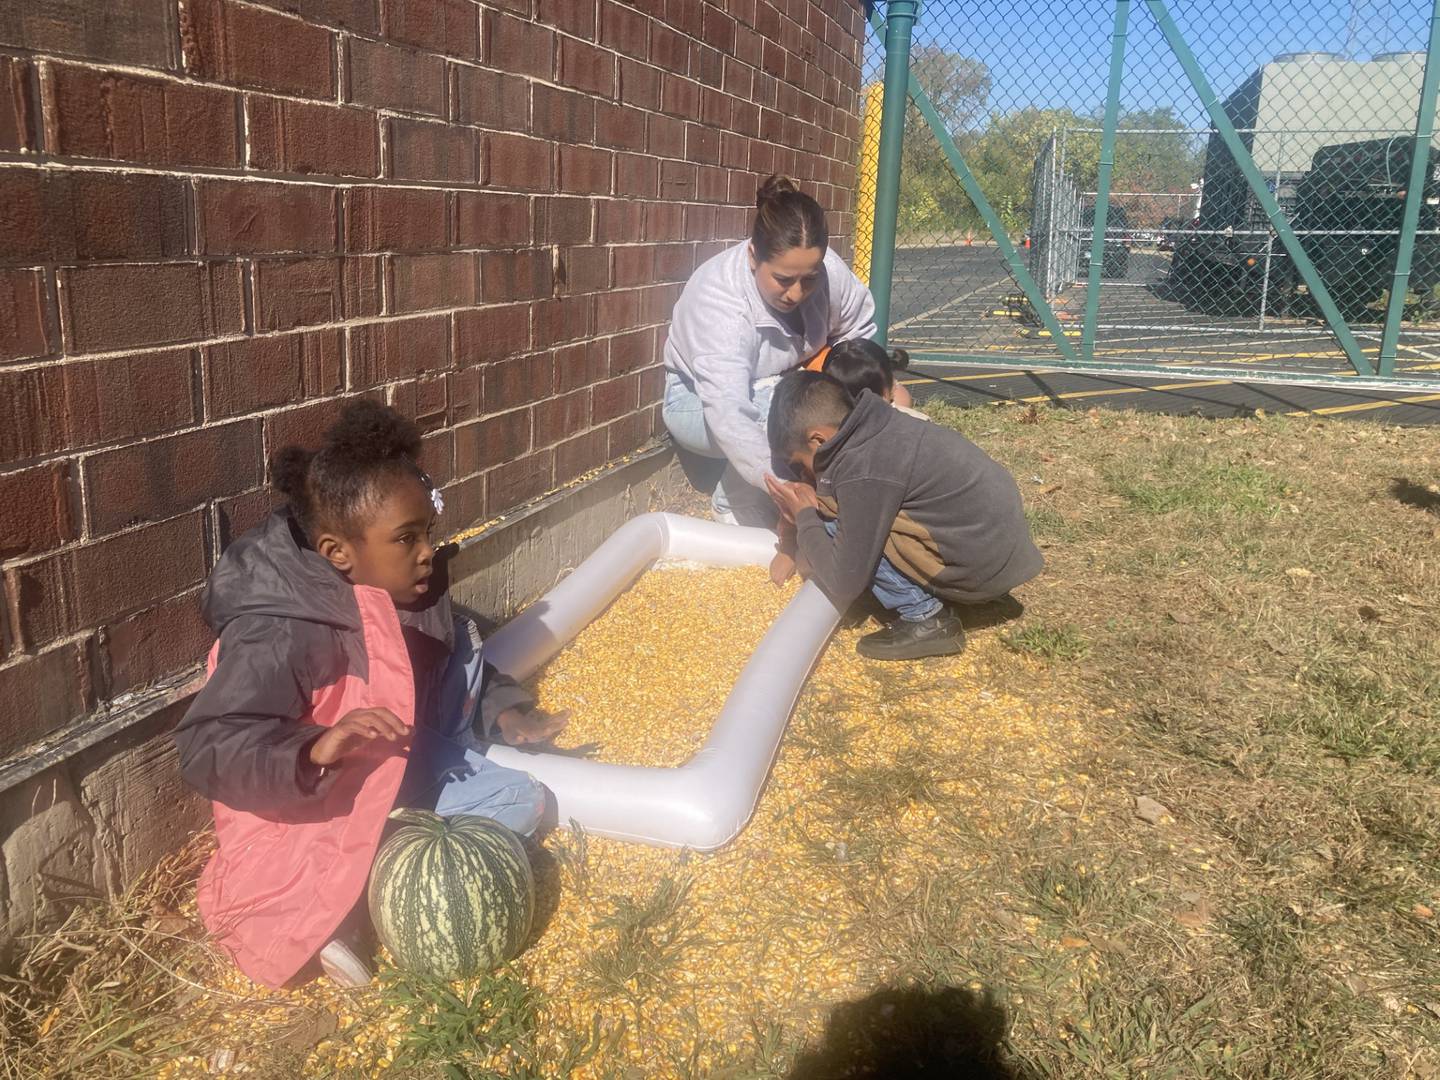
724, 517
345, 968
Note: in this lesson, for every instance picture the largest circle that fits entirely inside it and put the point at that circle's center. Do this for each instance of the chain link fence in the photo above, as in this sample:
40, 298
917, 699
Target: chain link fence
1322, 95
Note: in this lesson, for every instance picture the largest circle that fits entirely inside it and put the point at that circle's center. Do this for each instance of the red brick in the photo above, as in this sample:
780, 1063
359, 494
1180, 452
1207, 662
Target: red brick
587, 68
669, 49
24, 319
702, 144
618, 221
615, 398
300, 137
516, 482
629, 434
41, 694
680, 97
398, 348
674, 262
719, 30
492, 333
445, 26
580, 365
716, 110
437, 453
60, 407
91, 585
639, 84
394, 219
637, 175
35, 511
619, 126
464, 392
584, 170
389, 77
575, 17
734, 150
17, 119
306, 292
616, 311
738, 79
564, 221
521, 381
105, 114
566, 318
631, 352
518, 46
491, 98
465, 503
264, 372
678, 180
711, 184
684, 16
634, 265
491, 441
521, 163
244, 46
579, 455
560, 417
426, 401
358, 15
749, 46
425, 282
138, 33
304, 426
153, 480
664, 221
490, 219
423, 150
240, 217
516, 275
652, 383
657, 301
584, 269
702, 222
165, 639
707, 66
55, 216
563, 115
666, 137
623, 30
238, 515
115, 307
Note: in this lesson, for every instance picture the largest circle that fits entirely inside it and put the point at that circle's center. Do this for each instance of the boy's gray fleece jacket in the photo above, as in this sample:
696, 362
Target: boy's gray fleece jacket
927, 498
289, 626
724, 338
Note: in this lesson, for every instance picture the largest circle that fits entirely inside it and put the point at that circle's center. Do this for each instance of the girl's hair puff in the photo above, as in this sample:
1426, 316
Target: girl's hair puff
361, 456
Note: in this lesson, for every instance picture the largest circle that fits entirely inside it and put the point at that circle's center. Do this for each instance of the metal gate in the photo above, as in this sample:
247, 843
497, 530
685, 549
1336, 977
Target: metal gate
1235, 189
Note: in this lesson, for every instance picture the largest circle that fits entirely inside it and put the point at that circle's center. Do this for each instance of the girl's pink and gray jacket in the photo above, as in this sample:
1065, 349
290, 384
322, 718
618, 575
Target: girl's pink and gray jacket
299, 647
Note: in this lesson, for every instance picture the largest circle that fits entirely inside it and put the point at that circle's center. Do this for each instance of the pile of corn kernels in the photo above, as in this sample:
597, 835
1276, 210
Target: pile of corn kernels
769, 922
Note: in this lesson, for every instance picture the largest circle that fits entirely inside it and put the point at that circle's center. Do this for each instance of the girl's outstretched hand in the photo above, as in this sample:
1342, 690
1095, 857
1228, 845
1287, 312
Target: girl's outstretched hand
355, 729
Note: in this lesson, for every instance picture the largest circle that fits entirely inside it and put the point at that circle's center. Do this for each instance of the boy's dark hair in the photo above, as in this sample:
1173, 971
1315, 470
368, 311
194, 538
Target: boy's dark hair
785, 218
860, 364
360, 457
803, 401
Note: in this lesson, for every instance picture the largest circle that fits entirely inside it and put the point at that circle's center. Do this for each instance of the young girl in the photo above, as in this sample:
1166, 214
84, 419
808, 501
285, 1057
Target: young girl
863, 365
341, 685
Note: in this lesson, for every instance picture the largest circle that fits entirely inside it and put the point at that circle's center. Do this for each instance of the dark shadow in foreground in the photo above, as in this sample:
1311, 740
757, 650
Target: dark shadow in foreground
1416, 495
912, 1034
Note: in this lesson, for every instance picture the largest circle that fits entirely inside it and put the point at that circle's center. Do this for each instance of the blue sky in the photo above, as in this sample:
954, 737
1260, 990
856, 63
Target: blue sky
1053, 53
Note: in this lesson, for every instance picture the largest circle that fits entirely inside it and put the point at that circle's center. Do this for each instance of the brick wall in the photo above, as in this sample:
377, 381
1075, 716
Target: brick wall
220, 218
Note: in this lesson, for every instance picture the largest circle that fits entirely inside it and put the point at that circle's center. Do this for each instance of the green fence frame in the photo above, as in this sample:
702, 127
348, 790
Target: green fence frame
1367, 375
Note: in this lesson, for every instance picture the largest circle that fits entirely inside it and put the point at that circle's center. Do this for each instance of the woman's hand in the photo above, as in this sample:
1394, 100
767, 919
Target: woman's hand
782, 568
358, 728
791, 496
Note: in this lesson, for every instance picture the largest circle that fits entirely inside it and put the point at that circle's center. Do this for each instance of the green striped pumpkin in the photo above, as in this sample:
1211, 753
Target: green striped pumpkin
451, 896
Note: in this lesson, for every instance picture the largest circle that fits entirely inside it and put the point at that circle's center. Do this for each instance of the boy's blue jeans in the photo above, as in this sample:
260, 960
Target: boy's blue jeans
897, 592
446, 774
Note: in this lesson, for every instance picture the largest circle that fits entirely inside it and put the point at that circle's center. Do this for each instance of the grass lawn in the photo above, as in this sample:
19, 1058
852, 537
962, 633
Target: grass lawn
1177, 819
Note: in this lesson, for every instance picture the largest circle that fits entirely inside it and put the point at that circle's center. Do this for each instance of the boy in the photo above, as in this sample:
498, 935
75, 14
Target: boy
921, 515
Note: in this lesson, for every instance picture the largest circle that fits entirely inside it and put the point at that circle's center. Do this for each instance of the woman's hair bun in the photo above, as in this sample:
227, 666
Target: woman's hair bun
900, 359
774, 187
288, 468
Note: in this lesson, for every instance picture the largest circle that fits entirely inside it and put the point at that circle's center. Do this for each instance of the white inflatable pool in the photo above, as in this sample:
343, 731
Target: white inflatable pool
704, 803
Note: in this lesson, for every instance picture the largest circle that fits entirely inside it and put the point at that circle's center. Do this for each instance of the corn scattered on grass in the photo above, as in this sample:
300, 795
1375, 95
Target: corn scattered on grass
771, 930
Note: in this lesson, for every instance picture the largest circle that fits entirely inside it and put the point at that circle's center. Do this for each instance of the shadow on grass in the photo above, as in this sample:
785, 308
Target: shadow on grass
1416, 495
912, 1034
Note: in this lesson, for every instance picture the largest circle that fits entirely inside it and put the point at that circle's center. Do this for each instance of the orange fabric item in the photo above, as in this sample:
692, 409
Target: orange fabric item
817, 362
275, 892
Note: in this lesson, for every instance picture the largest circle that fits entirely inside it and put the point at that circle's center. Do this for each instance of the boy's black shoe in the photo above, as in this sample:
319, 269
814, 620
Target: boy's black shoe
940, 635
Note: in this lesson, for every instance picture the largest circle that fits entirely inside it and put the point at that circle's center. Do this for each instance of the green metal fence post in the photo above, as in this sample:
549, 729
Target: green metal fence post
1246, 164
1102, 185
899, 18
1414, 197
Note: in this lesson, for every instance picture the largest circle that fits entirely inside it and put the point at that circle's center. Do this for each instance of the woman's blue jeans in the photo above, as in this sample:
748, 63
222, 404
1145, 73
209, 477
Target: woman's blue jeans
685, 417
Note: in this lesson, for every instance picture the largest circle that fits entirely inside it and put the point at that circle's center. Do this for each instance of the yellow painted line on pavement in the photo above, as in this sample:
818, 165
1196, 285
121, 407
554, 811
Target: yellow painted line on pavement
1188, 384
1365, 406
